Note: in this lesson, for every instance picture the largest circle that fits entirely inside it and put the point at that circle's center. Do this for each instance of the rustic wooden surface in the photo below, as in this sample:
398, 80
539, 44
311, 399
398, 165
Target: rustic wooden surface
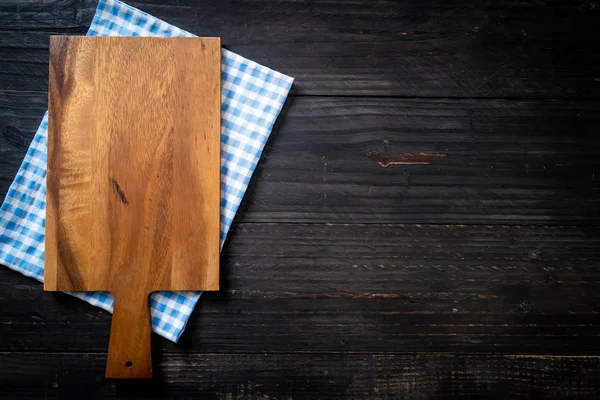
423, 222
133, 200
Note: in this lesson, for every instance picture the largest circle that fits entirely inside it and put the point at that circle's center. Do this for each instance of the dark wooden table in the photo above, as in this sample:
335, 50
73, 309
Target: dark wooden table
423, 223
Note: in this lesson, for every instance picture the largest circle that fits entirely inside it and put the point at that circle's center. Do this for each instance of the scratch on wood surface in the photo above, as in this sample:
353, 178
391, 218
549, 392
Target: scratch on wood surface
385, 145
119, 191
409, 297
387, 159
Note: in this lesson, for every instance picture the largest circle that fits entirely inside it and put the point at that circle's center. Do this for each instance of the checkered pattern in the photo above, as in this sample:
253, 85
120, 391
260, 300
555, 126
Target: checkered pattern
252, 96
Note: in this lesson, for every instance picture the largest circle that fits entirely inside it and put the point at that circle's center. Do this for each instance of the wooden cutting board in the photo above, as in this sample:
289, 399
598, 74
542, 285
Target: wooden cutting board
133, 177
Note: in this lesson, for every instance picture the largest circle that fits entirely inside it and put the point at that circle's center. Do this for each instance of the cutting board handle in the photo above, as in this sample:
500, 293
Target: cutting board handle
129, 349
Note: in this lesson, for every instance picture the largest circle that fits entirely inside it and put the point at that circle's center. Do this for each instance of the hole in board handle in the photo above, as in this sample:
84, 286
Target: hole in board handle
128, 364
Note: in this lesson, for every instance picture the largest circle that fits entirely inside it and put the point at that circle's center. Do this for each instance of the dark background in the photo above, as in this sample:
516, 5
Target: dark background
355, 269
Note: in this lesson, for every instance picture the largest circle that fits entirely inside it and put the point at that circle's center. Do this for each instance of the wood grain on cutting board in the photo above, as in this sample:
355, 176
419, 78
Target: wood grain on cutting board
133, 172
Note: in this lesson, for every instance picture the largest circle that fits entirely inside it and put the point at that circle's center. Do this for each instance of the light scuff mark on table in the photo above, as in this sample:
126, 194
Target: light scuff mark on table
385, 159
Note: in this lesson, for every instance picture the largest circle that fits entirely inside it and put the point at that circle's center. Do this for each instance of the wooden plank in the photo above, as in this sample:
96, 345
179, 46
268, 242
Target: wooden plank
437, 161
133, 184
332, 160
72, 14
300, 326
362, 288
298, 376
340, 47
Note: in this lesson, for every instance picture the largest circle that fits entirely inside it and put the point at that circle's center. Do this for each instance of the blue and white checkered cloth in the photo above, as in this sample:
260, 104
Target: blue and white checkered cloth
252, 96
